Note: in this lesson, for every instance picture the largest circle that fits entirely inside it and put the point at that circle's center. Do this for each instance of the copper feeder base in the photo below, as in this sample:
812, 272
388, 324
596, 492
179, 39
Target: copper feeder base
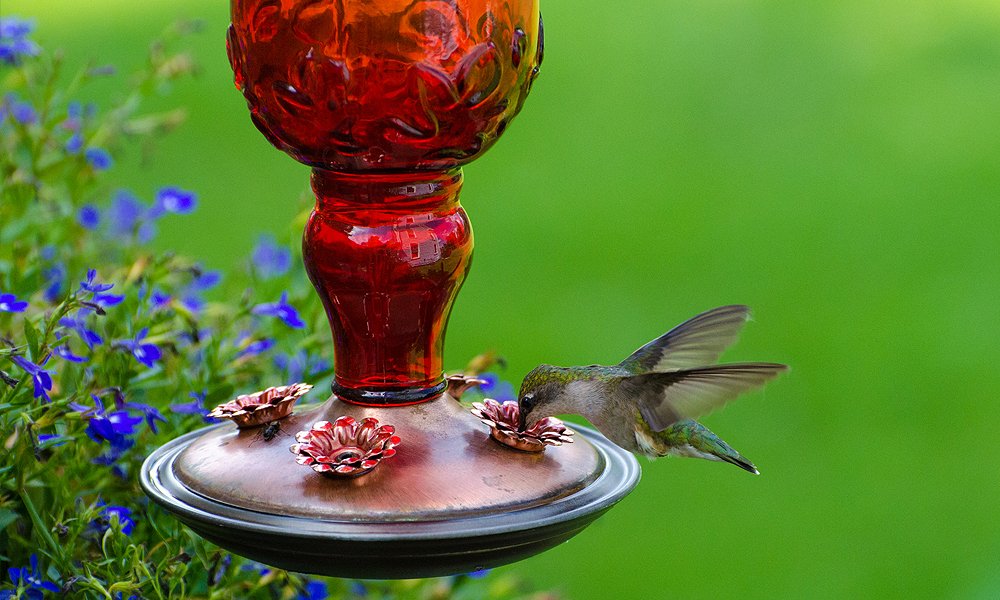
451, 500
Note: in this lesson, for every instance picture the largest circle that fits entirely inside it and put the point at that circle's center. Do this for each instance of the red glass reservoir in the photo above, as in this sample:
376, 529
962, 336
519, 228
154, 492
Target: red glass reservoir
387, 255
386, 99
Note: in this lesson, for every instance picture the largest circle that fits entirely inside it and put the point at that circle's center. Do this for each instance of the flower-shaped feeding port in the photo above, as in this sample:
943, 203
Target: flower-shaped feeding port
251, 410
346, 447
503, 419
459, 384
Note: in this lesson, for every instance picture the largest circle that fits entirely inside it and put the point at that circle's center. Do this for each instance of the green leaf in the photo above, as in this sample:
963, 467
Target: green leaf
31, 334
7, 517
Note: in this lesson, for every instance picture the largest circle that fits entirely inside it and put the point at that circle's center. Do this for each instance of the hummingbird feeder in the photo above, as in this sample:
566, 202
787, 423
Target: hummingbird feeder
386, 100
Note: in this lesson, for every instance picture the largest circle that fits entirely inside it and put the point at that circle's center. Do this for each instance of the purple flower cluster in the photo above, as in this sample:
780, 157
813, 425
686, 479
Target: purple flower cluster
128, 215
116, 427
102, 426
301, 366
14, 42
21, 112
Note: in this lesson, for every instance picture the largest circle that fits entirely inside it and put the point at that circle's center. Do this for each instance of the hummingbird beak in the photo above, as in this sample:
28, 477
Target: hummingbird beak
521, 420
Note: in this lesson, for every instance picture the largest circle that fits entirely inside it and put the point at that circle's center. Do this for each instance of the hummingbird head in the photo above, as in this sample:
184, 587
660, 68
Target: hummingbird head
541, 395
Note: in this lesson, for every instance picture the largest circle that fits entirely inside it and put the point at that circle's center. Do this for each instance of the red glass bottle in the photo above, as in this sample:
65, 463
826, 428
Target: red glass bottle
386, 99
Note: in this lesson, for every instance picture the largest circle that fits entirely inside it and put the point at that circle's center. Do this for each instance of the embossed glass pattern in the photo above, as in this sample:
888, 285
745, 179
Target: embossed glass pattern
384, 84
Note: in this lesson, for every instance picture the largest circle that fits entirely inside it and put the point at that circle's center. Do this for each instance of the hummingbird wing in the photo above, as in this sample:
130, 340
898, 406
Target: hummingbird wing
665, 398
700, 340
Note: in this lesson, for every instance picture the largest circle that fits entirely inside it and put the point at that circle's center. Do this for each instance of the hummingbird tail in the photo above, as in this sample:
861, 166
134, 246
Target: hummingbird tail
740, 462
691, 438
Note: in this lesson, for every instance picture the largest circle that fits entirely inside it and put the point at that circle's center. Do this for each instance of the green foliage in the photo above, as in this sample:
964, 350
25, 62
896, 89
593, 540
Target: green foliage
103, 366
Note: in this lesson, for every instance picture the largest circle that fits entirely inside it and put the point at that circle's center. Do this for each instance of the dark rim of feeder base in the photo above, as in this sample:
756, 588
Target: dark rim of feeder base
390, 549
397, 397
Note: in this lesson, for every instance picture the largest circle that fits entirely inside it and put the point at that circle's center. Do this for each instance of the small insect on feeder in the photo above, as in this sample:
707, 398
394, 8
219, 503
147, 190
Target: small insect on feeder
386, 100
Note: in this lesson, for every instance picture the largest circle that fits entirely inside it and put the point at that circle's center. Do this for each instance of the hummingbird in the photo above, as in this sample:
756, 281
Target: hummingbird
647, 403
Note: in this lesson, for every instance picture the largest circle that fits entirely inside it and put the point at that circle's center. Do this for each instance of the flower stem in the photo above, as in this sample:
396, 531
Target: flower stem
36, 520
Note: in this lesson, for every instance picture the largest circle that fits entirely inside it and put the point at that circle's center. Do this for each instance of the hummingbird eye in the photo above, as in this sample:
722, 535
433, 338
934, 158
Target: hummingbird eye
528, 400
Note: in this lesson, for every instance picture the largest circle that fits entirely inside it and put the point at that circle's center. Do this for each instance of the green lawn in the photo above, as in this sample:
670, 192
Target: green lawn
835, 164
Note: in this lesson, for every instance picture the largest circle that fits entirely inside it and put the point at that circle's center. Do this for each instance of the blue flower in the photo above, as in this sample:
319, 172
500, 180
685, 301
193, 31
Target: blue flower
74, 111
253, 348
77, 324
32, 577
497, 388
478, 574
108, 299
315, 590
147, 231
205, 280
195, 407
66, 353
14, 42
193, 303
103, 522
174, 200
94, 286
98, 158
257, 347
41, 378
112, 428
146, 354
74, 144
54, 278
23, 113
14, 27
9, 303
125, 213
270, 259
300, 366
98, 290
158, 300
281, 310
151, 414
89, 217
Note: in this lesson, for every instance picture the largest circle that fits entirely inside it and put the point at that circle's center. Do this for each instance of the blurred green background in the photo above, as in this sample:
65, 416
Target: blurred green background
835, 164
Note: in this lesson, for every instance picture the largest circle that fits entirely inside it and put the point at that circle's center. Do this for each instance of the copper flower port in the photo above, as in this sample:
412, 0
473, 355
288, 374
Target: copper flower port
346, 447
251, 410
459, 384
503, 419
